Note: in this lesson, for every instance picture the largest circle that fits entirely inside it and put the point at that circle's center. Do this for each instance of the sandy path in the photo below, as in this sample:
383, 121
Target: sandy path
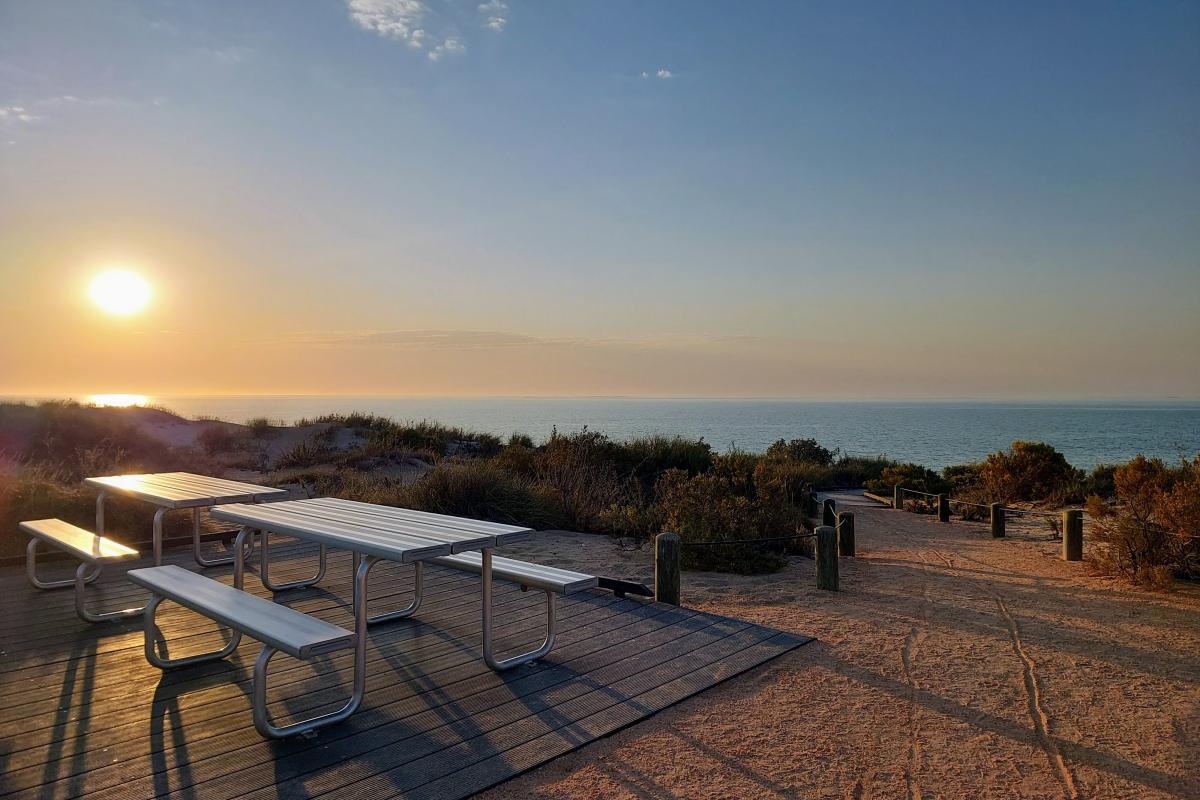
951, 665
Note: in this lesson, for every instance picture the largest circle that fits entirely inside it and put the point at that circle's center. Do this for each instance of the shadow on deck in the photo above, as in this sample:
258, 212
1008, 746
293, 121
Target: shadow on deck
82, 713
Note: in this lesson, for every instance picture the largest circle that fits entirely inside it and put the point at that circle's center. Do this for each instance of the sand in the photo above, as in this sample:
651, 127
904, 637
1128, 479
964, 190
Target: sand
952, 665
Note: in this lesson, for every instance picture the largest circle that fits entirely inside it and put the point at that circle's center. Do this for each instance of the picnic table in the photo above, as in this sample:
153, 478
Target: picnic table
179, 490
372, 533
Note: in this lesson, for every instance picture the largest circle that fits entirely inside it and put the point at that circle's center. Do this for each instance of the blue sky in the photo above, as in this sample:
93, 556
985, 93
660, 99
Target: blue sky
607, 197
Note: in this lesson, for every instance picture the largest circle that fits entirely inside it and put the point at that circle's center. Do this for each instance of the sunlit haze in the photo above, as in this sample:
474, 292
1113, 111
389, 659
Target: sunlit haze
621, 198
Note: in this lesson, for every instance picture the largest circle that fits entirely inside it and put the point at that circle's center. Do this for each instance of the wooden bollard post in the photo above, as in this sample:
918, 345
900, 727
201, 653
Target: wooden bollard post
1072, 522
829, 512
827, 558
845, 532
996, 514
943, 507
666, 568
897, 498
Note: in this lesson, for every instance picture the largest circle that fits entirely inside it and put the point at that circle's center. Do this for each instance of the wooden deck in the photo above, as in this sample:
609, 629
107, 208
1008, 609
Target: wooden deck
82, 713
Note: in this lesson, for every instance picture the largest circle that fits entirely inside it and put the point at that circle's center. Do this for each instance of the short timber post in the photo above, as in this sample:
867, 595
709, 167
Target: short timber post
666, 568
827, 558
1072, 522
897, 498
845, 532
829, 512
996, 513
943, 507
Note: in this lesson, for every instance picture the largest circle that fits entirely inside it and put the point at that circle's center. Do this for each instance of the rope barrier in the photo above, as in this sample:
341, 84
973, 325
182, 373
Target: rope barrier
749, 541
1007, 509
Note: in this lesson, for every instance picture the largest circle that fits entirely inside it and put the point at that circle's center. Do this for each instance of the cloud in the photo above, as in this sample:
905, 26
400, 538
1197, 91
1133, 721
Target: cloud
16, 115
418, 25
495, 11
452, 45
663, 74
395, 19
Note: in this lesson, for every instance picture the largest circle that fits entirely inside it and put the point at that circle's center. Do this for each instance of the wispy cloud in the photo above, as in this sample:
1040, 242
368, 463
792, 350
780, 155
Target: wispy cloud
496, 13
17, 115
451, 45
663, 74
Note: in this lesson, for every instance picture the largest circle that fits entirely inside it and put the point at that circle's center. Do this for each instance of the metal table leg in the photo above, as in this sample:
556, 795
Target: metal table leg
489, 657
264, 558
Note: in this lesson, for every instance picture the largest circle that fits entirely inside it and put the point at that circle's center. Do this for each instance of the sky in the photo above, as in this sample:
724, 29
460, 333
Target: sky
434, 197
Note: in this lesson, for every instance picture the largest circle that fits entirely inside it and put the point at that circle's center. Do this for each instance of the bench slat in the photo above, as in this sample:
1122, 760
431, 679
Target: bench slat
83, 544
539, 576
283, 628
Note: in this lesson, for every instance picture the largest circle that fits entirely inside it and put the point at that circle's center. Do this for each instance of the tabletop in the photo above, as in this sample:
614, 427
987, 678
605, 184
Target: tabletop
184, 490
395, 534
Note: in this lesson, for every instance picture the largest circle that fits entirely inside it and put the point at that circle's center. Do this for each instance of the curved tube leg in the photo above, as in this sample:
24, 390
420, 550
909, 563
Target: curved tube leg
154, 637
197, 554
38, 583
410, 609
262, 717
489, 657
81, 605
264, 557
158, 536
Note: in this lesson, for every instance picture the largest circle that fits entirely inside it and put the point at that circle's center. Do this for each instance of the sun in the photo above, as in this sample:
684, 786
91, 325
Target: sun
120, 292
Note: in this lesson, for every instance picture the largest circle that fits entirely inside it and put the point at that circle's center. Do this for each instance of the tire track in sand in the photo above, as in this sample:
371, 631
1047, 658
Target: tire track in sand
1033, 697
1033, 693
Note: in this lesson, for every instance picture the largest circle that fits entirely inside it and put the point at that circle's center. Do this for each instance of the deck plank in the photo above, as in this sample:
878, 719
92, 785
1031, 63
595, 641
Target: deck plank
83, 714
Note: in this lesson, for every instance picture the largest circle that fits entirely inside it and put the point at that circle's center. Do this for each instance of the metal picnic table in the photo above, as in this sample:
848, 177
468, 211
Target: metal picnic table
179, 490
373, 533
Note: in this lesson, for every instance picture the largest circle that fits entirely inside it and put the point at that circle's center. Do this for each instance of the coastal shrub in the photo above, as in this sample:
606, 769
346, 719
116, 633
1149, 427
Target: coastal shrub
852, 472
910, 476
1101, 481
1131, 539
646, 457
219, 437
788, 483
579, 469
1032, 471
308, 453
480, 490
260, 427
386, 436
712, 518
806, 451
77, 441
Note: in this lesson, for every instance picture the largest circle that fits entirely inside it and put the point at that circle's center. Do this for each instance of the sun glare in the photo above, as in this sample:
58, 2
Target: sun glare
120, 292
117, 400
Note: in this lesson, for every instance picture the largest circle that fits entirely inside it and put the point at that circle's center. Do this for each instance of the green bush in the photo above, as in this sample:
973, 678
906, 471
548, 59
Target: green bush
910, 476
1032, 471
805, 451
480, 490
711, 516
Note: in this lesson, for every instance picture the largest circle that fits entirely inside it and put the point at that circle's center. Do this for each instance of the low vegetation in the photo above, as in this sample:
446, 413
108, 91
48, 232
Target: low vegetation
735, 511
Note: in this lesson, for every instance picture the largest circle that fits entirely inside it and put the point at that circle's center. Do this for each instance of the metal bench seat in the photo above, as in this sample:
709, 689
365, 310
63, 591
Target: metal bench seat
551, 580
277, 627
536, 576
92, 551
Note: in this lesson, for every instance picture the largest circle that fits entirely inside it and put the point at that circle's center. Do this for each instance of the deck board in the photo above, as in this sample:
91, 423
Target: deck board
83, 714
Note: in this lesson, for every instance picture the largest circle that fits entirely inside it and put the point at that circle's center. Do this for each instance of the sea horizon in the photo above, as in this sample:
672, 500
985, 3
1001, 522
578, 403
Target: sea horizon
934, 432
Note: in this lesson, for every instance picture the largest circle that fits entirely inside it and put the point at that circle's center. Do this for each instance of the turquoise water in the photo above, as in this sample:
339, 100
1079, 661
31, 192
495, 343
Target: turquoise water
930, 433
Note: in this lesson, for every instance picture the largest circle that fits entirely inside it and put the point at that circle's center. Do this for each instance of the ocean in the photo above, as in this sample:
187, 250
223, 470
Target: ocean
934, 433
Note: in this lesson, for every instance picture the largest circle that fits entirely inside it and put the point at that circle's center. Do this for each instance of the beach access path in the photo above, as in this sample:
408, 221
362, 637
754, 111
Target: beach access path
951, 665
